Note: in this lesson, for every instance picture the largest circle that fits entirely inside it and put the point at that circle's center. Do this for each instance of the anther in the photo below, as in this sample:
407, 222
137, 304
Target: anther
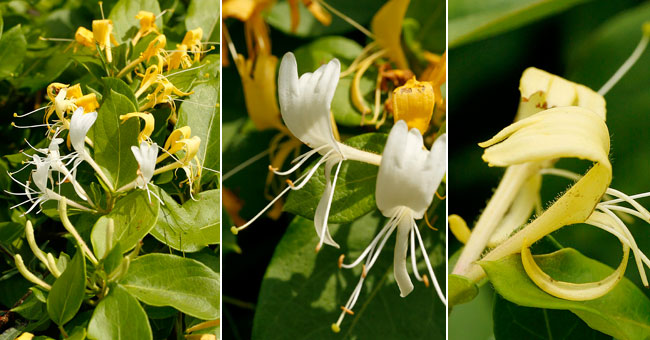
272, 168
363, 271
347, 311
234, 230
290, 182
425, 279
318, 247
341, 260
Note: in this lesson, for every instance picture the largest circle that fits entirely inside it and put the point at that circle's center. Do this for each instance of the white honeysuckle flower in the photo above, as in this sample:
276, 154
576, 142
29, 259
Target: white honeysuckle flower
408, 178
305, 104
146, 156
80, 124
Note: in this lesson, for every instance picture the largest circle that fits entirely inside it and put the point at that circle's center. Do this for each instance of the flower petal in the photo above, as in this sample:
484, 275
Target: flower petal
305, 102
399, 259
325, 203
80, 123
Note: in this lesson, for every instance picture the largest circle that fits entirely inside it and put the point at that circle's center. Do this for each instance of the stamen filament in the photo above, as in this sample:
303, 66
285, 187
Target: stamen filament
627, 65
426, 260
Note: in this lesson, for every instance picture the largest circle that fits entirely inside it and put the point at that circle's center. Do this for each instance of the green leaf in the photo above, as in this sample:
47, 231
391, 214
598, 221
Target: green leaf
113, 139
623, 313
191, 226
315, 54
360, 11
200, 113
123, 15
133, 215
119, 316
204, 14
354, 194
461, 290
170, 280
12, 51
120, 87
68, 291
471, 20
515, 322
302, 290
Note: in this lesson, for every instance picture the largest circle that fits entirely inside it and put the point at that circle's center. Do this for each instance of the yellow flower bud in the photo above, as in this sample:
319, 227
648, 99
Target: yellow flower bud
413, 102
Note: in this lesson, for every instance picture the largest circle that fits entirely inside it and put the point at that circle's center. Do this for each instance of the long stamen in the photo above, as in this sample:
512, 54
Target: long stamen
304, 157
627, 65
16, 115
633, 197
235, 230
426, 260
372, 244
28, 126
311, 172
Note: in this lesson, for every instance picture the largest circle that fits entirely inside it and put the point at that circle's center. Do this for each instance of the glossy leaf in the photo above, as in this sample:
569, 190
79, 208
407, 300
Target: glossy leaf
200, 113
354, 195
64, 300
191, 226
119, 316
170, 280
623, 313
12, 51
113, 139
303, 290
123, 15
204, 14
133, 216
515, 322
470, 20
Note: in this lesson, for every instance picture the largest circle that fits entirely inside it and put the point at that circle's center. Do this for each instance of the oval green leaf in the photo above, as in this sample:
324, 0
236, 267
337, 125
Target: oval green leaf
119, 316
170, 280
68, 291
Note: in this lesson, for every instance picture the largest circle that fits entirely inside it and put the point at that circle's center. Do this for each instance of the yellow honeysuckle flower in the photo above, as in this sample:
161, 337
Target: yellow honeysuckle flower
150, 77
240, 9
156, 48
147, 25
163, 94
192, 40
179, 58
540, 90
173, 145
74, 91
413, 103
149, 123
556, 133
88, 102
386, 26
103, 34
84, 37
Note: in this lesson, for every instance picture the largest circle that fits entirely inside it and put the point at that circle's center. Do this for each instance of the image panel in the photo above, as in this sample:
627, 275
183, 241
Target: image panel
110, 170
334, 157
548, 216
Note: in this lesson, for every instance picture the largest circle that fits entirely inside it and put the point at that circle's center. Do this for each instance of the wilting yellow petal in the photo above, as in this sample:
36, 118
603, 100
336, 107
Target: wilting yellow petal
156, 48
541, 90
323, 16
577, 291
151, 76
192, 40
386, 25
191, 147
149, 124
147, 25
179, 58
53, 89
413, 103
74, 92
459, 228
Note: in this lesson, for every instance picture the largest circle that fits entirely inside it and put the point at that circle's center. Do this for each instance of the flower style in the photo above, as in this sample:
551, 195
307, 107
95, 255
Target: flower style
408, 178
305, 107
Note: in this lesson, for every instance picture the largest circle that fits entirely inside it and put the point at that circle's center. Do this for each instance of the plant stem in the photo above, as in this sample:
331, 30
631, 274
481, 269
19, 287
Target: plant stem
63, 212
